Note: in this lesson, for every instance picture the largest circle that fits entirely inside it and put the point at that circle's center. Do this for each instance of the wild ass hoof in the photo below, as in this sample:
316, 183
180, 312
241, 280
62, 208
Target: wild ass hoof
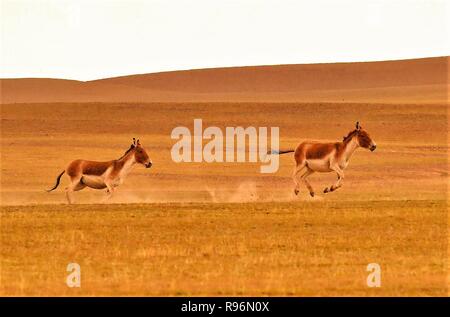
326, 190
296, 191
312, 194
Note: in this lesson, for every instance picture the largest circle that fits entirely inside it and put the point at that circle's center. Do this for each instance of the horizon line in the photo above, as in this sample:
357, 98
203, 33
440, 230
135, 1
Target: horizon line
226, 67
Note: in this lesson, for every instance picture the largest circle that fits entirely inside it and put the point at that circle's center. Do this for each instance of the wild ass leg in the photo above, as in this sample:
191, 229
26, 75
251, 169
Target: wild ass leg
109, 190
69, 195
340, 178
305, 181
75, 185
297, 170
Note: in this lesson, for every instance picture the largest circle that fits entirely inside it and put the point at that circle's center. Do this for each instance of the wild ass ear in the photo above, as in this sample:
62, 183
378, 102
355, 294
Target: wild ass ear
134, 141
138, 143
358, 127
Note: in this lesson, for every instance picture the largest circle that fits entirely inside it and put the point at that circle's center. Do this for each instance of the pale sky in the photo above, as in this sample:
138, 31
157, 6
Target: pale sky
91, 39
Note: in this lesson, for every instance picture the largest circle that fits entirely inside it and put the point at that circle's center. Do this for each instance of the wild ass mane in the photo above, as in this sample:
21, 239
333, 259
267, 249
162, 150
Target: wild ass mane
350, 135
126, 152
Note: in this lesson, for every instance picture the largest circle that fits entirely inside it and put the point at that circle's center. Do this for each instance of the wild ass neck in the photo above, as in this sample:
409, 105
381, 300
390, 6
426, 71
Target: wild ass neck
350, 148
128, 162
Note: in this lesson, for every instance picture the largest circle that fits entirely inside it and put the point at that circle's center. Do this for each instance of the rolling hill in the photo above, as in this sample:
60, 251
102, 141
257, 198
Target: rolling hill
404, 81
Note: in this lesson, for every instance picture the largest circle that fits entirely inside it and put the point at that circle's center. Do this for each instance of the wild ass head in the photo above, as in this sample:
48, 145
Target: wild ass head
140, 155
362, 138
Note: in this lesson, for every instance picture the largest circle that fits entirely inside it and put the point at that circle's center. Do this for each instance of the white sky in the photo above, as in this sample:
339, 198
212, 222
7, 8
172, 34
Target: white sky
90, 39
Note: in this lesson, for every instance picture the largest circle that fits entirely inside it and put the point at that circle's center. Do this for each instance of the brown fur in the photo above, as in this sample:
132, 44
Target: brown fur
96, 168
318, 151
99, 175
313, 157
87, 167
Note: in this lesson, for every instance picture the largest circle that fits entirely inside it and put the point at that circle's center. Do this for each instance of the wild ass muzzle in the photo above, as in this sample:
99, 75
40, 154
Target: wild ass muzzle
100, 175
313, 157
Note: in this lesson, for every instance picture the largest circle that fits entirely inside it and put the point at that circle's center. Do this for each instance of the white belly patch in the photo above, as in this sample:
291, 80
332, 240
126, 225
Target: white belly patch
96, 182
319, 165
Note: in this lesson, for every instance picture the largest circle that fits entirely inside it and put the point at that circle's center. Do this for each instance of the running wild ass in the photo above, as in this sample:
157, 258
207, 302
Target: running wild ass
313, 157
100, 175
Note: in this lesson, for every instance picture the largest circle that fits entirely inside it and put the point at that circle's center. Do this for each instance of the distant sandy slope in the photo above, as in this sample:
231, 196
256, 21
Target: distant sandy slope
406, 81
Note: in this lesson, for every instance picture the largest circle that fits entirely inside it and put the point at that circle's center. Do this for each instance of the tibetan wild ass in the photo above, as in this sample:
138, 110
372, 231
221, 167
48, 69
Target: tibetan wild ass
100, 175
313, 157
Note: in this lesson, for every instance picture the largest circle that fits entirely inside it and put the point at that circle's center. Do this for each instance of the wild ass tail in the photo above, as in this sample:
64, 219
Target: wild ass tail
57, 181
280, 152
